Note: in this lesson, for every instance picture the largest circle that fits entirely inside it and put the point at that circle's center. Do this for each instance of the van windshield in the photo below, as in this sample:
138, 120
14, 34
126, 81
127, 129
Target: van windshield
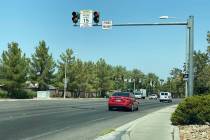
164, 93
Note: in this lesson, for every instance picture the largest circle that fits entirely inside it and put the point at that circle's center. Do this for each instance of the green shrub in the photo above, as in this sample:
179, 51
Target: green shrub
193, 110
31, 94
3, 95
22, 94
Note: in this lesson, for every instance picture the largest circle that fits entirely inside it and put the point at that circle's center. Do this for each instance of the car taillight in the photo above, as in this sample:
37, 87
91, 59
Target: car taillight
111, 98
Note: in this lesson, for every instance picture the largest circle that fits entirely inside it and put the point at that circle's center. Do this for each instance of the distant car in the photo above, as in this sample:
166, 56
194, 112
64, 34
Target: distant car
165, 96
138, 95
123, 100
153, 96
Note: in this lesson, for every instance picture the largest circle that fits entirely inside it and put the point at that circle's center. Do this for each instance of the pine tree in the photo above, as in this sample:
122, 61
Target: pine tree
42, 67
14, 68
103, 71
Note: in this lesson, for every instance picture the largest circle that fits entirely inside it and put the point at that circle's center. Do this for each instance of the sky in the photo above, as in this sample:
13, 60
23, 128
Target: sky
150, 49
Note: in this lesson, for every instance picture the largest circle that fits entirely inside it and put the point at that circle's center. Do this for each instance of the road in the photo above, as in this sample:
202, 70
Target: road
65, 119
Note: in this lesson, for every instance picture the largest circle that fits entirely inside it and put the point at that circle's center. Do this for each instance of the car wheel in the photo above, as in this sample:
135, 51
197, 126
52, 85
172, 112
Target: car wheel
110, 108
132, 108
137, 108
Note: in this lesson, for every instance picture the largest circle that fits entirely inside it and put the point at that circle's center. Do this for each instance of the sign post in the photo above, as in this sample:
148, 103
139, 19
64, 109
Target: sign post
106, 24
86, 18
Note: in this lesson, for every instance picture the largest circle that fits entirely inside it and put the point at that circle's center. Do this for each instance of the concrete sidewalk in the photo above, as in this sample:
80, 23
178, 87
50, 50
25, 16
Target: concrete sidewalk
154, 126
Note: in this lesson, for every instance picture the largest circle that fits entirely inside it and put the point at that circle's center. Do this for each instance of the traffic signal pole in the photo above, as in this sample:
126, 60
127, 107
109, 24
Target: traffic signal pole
147, 24
190, 26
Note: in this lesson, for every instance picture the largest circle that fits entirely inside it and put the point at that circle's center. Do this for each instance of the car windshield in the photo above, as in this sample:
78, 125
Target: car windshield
125, 94
137, 93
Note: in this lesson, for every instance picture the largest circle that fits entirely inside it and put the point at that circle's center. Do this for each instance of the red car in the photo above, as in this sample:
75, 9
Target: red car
125, 100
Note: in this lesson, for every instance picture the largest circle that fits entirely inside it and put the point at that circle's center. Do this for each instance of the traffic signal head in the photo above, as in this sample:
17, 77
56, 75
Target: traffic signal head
75, 17
96, 17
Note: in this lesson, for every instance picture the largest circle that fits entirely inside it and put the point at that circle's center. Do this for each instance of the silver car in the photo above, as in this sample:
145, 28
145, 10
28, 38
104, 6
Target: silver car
153, 96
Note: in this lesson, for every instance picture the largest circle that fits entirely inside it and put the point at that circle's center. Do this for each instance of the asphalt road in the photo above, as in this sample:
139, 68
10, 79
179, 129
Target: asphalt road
65, 120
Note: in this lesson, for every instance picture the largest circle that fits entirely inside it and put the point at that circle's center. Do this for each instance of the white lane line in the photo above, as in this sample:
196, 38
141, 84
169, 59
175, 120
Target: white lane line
99, 119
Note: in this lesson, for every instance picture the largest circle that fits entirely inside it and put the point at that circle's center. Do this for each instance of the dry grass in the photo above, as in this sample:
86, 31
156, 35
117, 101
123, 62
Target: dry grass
106, 131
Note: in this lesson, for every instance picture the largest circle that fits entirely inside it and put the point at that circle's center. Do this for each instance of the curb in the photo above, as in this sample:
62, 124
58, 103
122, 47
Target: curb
176, 135
117, 133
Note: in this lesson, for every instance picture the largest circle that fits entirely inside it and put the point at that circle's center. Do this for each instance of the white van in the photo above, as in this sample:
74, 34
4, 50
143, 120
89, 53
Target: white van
165, 96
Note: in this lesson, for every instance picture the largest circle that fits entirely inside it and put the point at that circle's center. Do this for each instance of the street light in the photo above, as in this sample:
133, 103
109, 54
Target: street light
189, 50
65, 80
165, 17
134, 85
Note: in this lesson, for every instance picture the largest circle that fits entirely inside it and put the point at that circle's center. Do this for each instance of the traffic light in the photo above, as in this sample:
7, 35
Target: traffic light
96, 17
75, 17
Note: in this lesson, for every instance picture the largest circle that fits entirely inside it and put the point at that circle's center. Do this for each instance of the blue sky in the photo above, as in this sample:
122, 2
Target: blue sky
150, 49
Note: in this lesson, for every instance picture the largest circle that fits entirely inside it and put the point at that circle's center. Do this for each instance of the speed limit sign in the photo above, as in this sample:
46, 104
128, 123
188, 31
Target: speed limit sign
86, 18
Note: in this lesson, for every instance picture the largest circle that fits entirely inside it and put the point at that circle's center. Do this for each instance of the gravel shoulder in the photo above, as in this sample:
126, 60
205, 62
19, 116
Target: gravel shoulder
194, 132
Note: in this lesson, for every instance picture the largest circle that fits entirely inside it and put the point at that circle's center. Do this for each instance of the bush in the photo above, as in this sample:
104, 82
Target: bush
3, 95
193, 110
31, 94
22, 94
